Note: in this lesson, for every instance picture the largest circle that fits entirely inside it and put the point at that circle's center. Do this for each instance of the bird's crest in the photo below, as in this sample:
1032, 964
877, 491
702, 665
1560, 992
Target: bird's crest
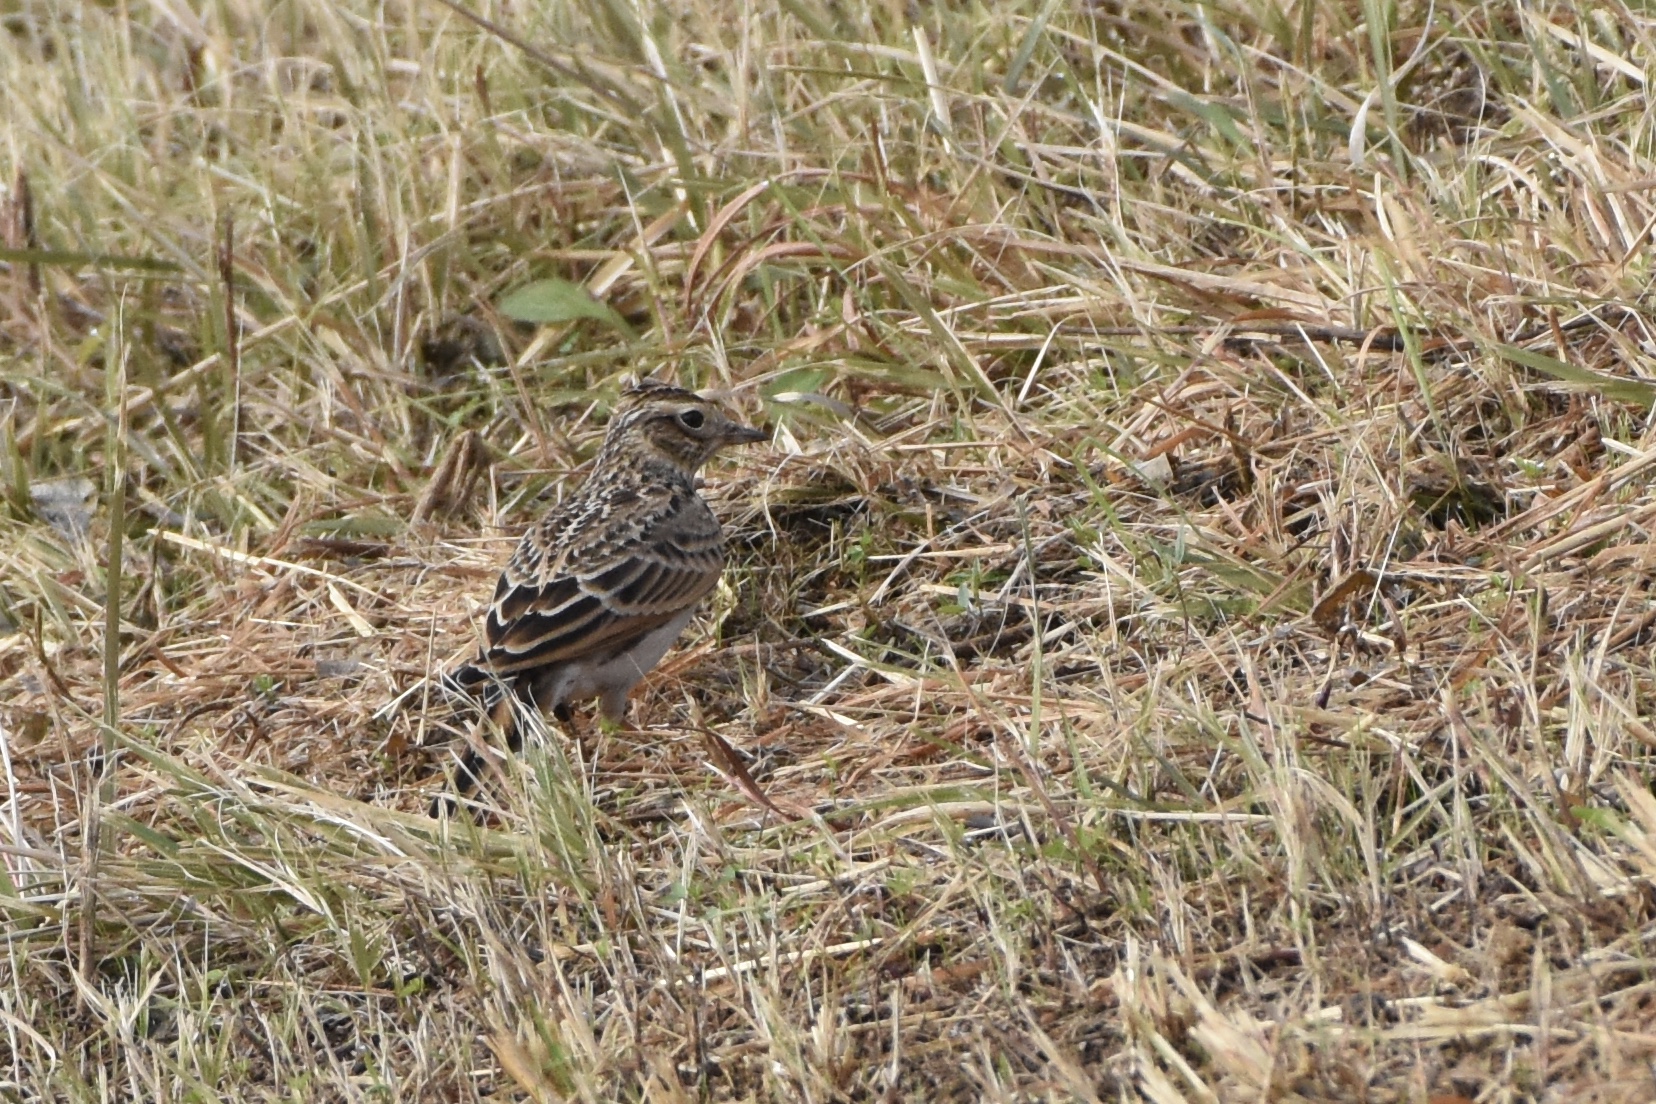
637, 389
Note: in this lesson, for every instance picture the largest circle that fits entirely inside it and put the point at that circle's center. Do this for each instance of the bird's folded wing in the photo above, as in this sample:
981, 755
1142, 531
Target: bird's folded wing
601, 610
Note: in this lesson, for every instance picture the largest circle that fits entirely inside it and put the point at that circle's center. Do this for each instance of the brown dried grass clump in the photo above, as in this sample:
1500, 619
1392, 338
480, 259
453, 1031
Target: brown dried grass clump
1188, 640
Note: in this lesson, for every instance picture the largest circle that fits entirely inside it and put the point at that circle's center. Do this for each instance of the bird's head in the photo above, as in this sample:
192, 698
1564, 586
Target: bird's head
660, 421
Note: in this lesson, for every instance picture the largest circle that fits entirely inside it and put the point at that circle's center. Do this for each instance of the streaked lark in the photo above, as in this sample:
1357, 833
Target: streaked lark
599, 589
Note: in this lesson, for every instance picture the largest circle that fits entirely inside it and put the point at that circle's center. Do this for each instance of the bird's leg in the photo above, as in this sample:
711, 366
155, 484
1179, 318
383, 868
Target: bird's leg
612, 710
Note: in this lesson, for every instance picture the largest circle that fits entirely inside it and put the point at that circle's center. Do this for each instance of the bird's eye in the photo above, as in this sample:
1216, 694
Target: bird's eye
692, 419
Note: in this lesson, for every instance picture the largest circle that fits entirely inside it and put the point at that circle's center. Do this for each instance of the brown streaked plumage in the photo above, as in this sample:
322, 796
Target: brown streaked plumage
599, 588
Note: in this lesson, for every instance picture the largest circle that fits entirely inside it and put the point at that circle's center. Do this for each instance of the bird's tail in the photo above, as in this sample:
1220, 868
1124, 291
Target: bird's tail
494, 703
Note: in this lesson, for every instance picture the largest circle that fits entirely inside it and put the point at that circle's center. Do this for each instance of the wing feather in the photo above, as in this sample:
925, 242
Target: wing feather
543, 613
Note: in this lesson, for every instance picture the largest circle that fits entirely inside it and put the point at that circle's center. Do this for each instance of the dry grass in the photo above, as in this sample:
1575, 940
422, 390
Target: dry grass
1189, 641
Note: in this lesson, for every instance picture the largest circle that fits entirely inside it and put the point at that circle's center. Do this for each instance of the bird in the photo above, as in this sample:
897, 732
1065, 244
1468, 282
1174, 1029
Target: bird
598, 590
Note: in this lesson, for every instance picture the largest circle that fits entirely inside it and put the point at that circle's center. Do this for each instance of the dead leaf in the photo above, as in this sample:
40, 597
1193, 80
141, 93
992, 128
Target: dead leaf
1330, 608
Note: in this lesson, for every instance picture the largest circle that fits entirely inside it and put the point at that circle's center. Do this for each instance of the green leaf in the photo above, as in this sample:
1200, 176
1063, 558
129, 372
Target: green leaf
355, 525
1026, 48
159, 843
75, 260
797, 379
1605, 820
1215, 115
1611, 387
552, 301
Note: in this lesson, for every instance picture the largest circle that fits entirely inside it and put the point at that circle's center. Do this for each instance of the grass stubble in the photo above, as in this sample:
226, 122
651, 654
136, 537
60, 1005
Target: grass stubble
1188, 640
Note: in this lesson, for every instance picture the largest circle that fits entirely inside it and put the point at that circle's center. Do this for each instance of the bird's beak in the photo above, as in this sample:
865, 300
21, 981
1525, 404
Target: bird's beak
743, 435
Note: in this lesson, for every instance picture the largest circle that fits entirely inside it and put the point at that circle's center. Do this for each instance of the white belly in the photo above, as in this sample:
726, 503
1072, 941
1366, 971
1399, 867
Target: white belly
609, 679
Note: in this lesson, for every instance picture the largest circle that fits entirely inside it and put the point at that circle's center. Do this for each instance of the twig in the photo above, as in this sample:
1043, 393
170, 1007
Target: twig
232, 336
265, 562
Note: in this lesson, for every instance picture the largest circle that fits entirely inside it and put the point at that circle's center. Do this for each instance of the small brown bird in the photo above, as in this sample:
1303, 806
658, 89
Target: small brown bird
600, 588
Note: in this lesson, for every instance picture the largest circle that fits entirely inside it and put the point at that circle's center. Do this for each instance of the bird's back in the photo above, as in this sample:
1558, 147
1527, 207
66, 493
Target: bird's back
604, 569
